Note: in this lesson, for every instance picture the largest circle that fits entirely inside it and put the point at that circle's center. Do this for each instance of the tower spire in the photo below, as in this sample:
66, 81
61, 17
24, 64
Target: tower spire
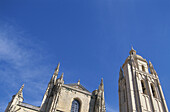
20, 93
49, 89
132, 51
57, 69
16, 99
100, 100
54, 77
101, 87
101, 81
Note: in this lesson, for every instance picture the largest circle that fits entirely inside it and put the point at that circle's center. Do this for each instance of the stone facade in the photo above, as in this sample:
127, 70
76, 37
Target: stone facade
139, 90
59, 97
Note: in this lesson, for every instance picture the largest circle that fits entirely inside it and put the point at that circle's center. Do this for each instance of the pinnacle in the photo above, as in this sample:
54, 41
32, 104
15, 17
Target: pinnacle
132, 47
101, 87
56, 70
21, 87
78, 82
62, 76
20, 90
132, 51
101, 81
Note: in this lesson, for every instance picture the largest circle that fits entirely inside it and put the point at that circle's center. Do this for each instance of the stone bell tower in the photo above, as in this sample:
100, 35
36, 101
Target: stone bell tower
139, 89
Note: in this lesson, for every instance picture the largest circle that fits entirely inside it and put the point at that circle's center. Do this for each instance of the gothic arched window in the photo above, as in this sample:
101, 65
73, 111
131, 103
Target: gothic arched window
75, 106
153, 90
143, 87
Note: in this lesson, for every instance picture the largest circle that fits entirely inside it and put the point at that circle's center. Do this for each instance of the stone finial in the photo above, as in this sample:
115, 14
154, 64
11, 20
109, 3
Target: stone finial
20, 91
132, 47
60, 80
101, 81
152, 70
21, 88
133, 61
78, 82
54, 77
57, 69
101, 87
151, 67
62, 76
132, 51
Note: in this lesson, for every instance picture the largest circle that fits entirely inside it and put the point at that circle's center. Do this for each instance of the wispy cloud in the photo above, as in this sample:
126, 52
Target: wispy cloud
20, 62
110, 108
15, 54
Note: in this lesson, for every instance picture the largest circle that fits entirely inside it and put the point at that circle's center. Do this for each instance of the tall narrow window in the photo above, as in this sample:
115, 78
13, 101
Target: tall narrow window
75, 106
143, 68
143, 87
153, 90
124, 96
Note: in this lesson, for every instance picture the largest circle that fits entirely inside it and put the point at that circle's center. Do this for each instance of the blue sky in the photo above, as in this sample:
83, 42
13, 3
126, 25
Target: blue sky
90, 38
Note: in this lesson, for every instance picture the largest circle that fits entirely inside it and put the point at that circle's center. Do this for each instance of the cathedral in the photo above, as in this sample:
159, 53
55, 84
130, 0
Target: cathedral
139, 91
60, 97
